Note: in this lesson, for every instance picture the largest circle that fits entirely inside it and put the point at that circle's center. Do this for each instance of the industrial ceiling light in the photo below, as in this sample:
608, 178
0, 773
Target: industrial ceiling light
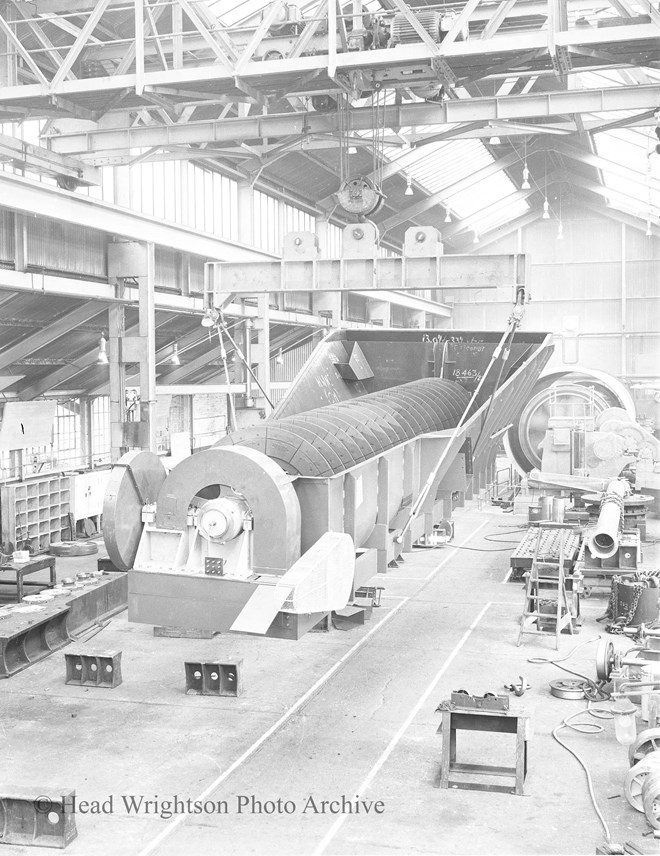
475, 240
280, 358
649, 233
560, 231
495, 141
175, 359
525, 182
102, 356
546, 209
409, 191
210, 317
447, 216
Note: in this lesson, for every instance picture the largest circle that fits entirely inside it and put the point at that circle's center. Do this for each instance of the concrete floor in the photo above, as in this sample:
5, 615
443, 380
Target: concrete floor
343, 713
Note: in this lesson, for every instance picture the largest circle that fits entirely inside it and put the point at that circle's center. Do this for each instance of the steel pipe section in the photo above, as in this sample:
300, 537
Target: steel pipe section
332, 439
604, 540
565, 386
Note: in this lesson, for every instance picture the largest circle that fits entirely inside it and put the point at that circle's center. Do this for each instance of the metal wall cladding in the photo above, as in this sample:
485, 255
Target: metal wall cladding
168, 273
354, 307
643, 355
641, 246
571, 281
52, 245
197, 275
642, 278
643, 314
294, 360
297, 301
7, 246
585, 238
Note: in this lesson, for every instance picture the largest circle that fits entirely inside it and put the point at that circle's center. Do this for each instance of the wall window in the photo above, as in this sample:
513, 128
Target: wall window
67, 444
100, 430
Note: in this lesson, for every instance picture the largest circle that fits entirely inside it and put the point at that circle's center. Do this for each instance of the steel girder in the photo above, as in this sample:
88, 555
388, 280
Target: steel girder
487, 110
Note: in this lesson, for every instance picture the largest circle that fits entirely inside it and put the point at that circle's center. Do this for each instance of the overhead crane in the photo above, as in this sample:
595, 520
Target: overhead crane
106, 62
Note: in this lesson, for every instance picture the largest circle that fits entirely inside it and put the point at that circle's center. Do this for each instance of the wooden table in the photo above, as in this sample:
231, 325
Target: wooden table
23, 569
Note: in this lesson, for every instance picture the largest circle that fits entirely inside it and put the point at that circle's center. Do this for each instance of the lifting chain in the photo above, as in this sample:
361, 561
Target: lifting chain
614, 497
640, 582
621, 621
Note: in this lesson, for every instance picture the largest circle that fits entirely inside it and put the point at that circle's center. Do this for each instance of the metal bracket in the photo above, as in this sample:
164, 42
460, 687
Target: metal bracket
444, 72
561, 60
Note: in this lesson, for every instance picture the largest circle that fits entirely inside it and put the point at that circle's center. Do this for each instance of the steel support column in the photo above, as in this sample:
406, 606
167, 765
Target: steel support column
261, 354
130, 260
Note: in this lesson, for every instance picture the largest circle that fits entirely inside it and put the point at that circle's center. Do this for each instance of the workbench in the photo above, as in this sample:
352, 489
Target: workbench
24, 569
502, 722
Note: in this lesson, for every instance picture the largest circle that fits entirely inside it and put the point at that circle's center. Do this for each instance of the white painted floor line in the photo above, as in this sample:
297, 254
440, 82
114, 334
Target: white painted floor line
151, 847
334, 829
169, 829
456, 550
508, 574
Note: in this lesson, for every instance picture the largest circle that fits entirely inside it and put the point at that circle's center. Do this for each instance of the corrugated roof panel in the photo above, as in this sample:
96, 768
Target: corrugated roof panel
438, 166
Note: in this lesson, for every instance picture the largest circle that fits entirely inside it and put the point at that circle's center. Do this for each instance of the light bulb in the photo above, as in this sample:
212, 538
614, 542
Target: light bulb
210, 317
102, 357
525, 183
546, 209
494, 141
447, 217
560, 231
409, 191
475, 240
625, 728
175, 359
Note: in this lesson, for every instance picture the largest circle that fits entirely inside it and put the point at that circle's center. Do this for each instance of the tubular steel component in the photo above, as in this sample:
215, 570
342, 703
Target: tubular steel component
134, 482
568, 688
635, 777
313, 445
647, 741
263, 485
604, 541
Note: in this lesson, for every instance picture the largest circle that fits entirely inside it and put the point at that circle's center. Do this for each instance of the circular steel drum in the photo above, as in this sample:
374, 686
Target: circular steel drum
332, 439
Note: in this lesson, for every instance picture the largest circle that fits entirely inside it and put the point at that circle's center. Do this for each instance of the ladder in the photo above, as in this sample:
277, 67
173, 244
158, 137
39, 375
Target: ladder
546, 581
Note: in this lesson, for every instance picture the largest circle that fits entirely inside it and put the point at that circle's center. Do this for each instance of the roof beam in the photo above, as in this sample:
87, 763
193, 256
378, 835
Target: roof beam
189, 340
42, 160
48, 334
506, 229
34, 198
76, 48
619, 216
61, 375
606, 192
603, 164
489, 109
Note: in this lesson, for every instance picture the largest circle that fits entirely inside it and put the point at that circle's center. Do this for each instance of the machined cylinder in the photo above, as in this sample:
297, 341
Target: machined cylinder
604, 540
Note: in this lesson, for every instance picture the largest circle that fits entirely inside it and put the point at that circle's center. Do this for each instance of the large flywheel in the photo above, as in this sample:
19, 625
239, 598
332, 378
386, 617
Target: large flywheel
134, 482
